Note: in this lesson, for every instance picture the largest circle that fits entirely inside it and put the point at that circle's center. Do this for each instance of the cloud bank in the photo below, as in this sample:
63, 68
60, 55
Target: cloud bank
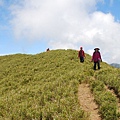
67, 24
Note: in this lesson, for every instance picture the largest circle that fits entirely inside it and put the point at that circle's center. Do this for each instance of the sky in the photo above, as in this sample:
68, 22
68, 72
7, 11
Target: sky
32, 26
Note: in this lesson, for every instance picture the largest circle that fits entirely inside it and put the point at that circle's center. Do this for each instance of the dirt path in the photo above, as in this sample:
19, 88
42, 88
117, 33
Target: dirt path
87, 103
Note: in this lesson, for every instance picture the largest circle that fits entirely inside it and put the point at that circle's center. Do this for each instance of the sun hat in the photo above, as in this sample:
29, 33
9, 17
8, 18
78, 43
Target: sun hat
97, 49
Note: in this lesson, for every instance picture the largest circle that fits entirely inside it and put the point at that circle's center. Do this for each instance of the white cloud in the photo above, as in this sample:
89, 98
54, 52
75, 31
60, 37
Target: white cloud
67, 24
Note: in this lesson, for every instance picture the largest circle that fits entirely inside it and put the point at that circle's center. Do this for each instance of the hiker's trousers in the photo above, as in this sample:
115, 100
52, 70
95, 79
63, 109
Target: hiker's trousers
97, 64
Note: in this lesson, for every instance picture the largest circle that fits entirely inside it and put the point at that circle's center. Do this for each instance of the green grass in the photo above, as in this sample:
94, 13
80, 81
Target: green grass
45, 86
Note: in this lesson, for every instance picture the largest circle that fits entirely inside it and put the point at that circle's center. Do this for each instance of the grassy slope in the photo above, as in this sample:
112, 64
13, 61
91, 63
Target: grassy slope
44, 86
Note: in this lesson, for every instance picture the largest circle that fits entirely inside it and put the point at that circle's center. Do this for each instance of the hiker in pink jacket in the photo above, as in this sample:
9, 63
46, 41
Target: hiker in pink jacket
96, 58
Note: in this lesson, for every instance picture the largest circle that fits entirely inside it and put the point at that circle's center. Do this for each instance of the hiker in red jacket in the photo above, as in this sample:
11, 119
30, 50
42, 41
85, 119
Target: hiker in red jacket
81, 54
96, 58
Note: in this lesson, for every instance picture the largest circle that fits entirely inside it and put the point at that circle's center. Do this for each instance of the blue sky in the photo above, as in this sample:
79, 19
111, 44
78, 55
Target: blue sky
31, 26
111, 6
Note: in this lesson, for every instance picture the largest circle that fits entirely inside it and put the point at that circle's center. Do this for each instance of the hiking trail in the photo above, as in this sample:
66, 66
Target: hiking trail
87, 102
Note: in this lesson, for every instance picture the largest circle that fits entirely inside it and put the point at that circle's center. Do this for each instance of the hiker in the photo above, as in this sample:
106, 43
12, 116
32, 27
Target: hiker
47, 49
96, 58
81, 54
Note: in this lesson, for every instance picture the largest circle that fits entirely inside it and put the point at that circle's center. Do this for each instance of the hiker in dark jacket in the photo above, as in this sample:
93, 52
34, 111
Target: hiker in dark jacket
81, 54
48, 49
96, 58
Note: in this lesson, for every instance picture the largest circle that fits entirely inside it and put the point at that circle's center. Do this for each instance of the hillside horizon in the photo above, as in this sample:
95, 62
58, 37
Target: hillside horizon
116, 65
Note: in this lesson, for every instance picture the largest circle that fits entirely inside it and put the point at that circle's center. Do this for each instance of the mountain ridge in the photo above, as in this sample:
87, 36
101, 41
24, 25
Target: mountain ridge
116, 65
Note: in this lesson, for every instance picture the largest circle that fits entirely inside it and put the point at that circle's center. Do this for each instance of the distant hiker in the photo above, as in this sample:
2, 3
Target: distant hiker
48, 49
96, 58
81, 54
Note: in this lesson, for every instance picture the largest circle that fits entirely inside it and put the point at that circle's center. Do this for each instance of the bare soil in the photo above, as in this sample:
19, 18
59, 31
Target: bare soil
87, 102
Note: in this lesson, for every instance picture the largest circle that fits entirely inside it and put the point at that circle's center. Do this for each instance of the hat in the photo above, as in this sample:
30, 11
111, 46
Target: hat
97, 49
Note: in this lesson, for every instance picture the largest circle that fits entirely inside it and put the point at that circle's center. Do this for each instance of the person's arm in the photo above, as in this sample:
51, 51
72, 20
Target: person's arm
100, 56
83, 54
